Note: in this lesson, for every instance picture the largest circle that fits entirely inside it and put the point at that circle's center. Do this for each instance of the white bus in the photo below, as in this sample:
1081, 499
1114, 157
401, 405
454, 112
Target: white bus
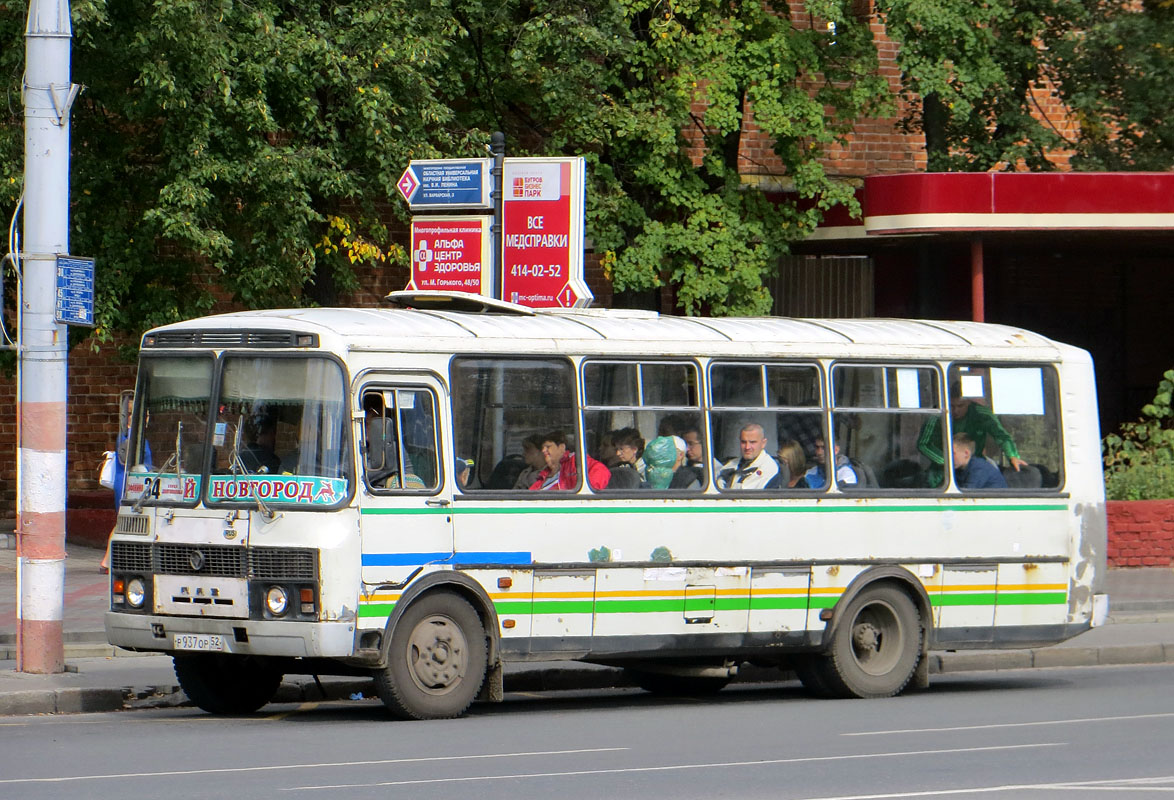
343, 491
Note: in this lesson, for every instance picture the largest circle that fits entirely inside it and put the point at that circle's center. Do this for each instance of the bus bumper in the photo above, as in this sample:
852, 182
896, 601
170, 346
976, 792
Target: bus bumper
244, 636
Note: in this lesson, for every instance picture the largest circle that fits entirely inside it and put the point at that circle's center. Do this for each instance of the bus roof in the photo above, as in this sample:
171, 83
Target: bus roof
593, 331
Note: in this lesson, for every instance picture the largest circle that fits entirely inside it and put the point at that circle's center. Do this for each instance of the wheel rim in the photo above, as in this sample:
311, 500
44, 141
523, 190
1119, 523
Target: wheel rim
437, 655
877, 638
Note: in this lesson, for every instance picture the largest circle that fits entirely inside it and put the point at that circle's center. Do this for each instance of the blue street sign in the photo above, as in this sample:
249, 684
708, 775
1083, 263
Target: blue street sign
75, 291
450, 183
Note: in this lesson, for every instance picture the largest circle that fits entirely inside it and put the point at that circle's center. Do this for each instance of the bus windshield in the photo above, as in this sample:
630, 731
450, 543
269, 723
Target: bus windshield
277, 432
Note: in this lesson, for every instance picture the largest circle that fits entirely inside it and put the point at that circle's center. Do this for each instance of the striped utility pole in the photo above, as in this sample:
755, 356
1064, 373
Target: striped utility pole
41, 476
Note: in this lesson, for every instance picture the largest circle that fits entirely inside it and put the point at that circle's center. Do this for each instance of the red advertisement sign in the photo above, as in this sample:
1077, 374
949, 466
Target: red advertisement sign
451, 254
542, 232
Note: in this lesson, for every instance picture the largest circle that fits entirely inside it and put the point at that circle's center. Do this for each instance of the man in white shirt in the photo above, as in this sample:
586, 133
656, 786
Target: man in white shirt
755, 468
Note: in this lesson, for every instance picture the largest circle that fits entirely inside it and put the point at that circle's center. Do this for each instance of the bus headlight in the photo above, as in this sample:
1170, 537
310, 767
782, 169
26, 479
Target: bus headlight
136, 593
277, 600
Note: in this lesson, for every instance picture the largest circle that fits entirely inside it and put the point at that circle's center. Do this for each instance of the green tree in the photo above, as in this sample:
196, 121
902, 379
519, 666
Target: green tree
645, 90
1117, 71
1139, 459
967, 72
249, 151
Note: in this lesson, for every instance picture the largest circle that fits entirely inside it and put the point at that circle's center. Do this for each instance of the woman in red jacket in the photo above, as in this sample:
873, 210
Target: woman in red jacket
562, 471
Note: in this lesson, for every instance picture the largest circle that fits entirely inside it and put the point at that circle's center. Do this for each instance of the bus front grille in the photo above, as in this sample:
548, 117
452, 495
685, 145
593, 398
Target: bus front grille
130, 556
263, 563
282, 563
191, 559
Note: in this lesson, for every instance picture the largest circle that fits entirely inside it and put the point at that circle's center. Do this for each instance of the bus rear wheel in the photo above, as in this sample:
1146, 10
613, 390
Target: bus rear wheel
226, 684
876, 647
436, 660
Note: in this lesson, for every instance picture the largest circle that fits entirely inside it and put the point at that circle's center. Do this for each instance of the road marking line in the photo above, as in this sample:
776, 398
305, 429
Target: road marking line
1013, 724
380, 762
672, 767
1097, 785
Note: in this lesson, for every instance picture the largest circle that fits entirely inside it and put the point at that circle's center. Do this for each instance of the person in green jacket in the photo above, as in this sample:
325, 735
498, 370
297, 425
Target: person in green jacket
973, 418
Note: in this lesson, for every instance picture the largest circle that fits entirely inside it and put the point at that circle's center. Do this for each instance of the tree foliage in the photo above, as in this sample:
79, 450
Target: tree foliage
1117, 65
260, 143
1139, 459
968, 70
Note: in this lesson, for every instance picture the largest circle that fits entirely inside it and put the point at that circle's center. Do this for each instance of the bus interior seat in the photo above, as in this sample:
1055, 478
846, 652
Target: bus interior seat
904, 473
1027, 477
865, 475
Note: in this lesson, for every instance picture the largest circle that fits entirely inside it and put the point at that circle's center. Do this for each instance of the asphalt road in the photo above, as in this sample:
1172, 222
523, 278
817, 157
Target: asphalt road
1017, 733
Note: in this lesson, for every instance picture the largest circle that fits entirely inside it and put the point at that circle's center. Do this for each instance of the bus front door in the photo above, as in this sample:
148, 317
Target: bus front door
405, 501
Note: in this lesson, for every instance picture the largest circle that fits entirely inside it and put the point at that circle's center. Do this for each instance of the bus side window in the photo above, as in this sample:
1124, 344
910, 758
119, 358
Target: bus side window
1014, 422
882, 419
633, 402
399, 433
497, 404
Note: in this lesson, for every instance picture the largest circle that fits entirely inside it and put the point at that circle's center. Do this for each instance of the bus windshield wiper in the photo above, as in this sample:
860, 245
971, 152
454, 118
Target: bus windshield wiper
236, 466
171, 459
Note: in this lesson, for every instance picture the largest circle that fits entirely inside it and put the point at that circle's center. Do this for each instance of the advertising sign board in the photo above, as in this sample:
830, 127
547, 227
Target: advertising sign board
542, 233
448, 183
451, 254
74, 304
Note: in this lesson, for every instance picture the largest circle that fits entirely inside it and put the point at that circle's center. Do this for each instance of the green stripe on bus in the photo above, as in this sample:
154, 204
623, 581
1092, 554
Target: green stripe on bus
1031, 599
999, 599
376, 609
591, 508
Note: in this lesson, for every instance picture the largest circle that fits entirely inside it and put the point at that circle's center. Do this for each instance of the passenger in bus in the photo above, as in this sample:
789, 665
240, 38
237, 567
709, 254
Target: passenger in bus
381, 460
630, 469
792, 463
684, 476
259, 453
532, 455
755, 468
971, 416
660, 458
817, 476
461, 472
630, 448
971, 470
561, 471
695, 451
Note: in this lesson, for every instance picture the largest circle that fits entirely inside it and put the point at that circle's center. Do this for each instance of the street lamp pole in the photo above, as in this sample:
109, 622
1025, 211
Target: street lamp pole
48, 93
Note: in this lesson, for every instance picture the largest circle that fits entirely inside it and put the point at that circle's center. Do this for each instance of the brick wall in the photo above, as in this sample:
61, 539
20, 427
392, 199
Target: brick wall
1141, 533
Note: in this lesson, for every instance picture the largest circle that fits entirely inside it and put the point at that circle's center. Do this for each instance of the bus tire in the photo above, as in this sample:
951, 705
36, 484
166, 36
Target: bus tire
226, 684
812, 671
876, 646
436, 661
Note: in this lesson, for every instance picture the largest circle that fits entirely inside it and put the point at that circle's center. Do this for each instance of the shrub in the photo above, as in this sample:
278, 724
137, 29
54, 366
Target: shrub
1139, 460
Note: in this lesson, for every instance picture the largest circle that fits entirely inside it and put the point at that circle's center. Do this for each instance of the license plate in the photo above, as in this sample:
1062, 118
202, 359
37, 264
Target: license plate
199, 641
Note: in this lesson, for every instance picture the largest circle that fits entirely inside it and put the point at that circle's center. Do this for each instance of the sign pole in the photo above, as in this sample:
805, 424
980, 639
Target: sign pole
41, 462
497, 147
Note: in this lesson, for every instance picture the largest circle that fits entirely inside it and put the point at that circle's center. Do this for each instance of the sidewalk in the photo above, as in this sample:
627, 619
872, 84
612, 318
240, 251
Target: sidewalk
100, 677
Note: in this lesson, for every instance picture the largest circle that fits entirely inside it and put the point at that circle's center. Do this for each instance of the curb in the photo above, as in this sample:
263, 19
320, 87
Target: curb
307, 689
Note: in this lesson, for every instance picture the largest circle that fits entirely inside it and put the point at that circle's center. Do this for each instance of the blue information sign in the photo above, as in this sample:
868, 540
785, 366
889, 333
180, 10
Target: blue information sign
448, 183
75, 291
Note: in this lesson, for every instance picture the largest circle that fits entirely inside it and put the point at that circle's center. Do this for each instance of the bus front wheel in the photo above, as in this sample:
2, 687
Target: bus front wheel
436, 660
876, 647
226, 684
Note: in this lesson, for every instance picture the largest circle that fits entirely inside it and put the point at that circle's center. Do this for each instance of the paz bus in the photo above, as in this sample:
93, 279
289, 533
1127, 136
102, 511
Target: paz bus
339, 491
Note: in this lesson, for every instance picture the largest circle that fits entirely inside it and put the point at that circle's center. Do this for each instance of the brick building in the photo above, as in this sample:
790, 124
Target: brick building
1096, 287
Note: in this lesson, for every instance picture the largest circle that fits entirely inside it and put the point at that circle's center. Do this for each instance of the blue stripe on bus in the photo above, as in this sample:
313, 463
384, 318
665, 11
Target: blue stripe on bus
457, 559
